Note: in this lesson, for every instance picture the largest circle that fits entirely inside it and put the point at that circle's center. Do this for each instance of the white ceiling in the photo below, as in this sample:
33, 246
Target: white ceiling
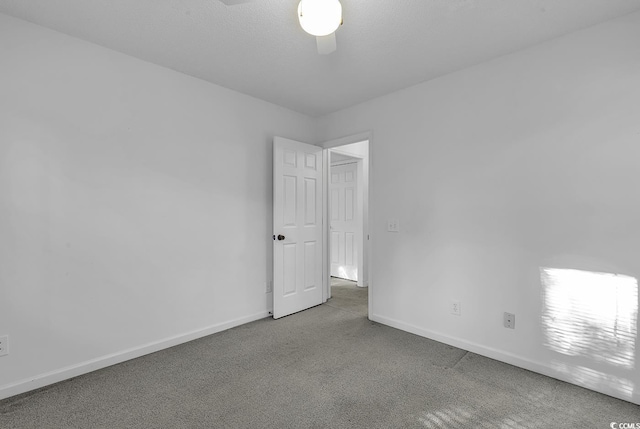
259, 49
339, 157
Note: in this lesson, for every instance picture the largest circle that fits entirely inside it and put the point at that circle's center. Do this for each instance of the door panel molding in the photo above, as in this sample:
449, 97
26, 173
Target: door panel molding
297, 226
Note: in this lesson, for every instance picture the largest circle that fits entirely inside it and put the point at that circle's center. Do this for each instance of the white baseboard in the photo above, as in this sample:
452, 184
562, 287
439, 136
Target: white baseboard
65, 373
500, 355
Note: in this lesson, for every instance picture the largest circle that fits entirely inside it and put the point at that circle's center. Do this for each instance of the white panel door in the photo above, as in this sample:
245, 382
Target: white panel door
343, 191
297, 226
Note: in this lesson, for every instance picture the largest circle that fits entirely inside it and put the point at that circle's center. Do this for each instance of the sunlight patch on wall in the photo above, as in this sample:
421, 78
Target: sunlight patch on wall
590, 314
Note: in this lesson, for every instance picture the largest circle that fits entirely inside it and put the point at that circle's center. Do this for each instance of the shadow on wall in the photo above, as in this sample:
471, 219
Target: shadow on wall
590, 319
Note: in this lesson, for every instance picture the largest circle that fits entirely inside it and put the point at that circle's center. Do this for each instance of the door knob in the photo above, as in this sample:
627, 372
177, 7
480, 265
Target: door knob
280, 237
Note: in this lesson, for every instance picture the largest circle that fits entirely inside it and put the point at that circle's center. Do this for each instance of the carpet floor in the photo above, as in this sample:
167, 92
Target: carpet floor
327, 367
345, 295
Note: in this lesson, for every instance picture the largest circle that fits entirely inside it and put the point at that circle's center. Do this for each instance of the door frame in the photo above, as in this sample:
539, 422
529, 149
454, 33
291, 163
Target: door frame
326, 261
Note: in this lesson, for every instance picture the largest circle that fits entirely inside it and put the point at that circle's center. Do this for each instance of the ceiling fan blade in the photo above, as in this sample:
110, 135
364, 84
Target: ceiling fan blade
235, 2
326, 44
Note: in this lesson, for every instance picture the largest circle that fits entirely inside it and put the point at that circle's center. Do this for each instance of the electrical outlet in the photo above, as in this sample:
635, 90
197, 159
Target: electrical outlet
269, 286
455, 308
393, 225
509, 320
4, 345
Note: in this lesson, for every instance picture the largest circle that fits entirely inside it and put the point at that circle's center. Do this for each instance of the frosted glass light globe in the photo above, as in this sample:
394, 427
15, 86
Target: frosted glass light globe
320, 17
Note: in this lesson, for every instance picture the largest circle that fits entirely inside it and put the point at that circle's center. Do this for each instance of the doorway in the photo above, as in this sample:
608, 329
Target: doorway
345, 216
301, 210
347, 212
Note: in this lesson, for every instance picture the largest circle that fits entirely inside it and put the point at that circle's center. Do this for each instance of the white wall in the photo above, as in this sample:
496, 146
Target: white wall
527, 161
135, 205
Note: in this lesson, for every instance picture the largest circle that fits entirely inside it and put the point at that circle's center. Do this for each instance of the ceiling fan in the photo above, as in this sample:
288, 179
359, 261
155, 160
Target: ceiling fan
320, 18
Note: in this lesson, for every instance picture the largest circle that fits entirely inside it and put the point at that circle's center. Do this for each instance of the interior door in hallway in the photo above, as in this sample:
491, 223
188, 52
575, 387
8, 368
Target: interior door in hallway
297, 226
345, 222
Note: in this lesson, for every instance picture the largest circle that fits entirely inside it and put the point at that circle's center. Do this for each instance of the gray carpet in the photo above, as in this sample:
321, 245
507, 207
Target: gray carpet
345, 295
327, 367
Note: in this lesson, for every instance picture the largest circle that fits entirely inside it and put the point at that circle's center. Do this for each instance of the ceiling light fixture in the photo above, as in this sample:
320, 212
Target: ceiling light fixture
320, 17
